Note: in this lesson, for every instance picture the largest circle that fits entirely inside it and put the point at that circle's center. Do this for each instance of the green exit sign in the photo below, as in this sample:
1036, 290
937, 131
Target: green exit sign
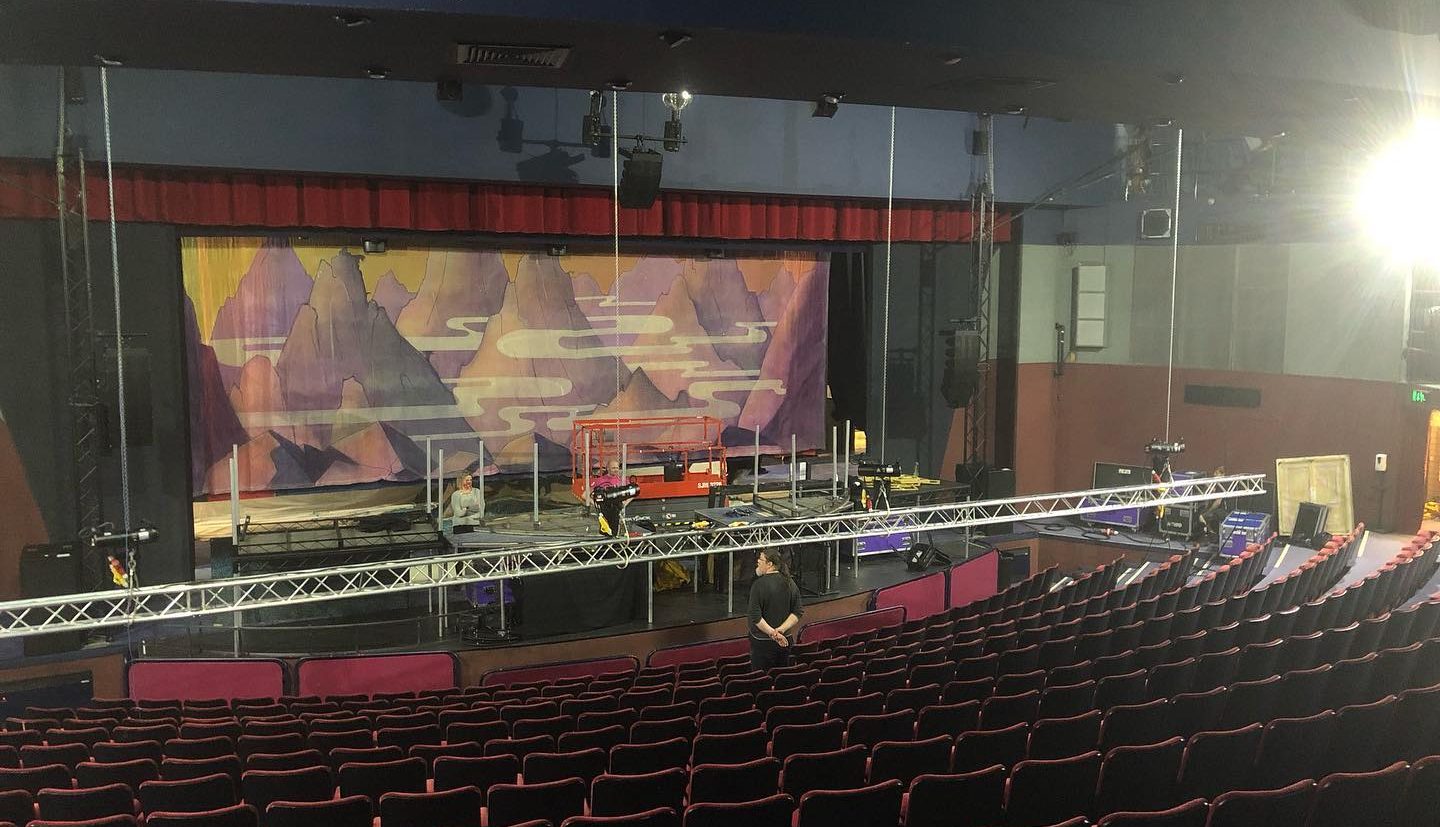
1420, 396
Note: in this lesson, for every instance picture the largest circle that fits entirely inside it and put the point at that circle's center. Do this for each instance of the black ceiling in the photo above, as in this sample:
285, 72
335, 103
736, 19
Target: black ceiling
1250, 67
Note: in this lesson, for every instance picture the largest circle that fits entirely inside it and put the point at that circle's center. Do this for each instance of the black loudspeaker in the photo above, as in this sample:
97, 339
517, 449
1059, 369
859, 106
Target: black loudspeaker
139, 413
962, 368
1156, 223
999, 484
48, 570
1014, 567
640, 179
923, 555
972, 474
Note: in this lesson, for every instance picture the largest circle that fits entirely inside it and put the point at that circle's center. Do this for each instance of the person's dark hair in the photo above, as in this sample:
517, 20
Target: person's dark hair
779, 559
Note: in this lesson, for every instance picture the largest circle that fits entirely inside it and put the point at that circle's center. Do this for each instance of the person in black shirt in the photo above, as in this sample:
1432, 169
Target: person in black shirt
774, 611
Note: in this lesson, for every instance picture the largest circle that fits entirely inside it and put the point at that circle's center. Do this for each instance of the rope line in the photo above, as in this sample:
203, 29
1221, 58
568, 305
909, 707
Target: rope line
615, 220
1174, 271
885, 320
131, 578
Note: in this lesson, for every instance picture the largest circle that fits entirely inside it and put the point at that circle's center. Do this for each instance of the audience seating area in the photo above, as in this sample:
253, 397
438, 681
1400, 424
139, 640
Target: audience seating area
1173, 701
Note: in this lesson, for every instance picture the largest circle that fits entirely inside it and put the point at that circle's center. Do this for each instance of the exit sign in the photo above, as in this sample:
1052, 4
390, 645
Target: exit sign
1419, 395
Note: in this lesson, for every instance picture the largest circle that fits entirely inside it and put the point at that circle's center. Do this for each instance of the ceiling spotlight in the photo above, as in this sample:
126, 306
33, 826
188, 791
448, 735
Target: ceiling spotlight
1175, 78
593, 129
618, 84
675, 101
350, 20
109, 60
373, 245
557, 250
1013, 109
827, 105
1395, 201
674, 136
377, 73
674, 37
952, 60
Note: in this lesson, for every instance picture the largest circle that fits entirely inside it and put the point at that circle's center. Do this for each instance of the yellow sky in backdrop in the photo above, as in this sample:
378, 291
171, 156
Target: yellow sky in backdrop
213, 267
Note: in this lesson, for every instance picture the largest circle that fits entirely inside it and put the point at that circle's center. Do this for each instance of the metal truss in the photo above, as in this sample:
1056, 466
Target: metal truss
80, 336
39, 615
982, 208
332, 534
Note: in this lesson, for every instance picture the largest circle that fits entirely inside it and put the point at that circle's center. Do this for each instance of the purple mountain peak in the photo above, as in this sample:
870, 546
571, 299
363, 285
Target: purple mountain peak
268, 295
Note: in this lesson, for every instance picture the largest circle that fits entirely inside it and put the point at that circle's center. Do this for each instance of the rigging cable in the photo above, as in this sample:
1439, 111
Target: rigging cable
1174, 271
131, 579
885, 320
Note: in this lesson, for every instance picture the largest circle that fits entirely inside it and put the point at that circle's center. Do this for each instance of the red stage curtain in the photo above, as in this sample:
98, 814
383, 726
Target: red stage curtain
218, 198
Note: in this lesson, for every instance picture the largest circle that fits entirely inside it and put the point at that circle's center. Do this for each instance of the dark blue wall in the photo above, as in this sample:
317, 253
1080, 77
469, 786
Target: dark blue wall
399, 129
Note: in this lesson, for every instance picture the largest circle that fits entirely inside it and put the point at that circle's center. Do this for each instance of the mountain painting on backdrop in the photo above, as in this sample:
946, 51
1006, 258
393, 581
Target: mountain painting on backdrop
327, 367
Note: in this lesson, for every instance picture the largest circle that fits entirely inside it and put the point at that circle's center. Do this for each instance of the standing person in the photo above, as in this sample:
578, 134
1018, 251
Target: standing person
612, 509
465, 502
774, 611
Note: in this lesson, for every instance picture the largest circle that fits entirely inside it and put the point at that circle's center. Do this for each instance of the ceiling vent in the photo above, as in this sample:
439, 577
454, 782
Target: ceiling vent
1006, 83
511, 57
994, 84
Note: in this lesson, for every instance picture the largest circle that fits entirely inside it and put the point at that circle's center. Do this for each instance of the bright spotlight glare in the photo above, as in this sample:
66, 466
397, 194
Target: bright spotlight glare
1396, 199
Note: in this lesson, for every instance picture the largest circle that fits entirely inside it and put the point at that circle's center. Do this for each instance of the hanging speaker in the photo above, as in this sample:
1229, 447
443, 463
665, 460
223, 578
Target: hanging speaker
139, 412
962, 368
640, 179
1156, 223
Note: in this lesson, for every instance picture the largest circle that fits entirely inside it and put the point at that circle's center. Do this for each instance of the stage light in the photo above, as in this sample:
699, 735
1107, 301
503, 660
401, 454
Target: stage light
557, 250
674, 133
827, 105
374, 245
593, 130
674, 38
449, 89
1394, 200
675, 101
351, 21
109, 60
377, 73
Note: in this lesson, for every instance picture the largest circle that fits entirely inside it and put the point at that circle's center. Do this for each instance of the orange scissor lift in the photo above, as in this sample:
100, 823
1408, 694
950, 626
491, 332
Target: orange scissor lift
667, 456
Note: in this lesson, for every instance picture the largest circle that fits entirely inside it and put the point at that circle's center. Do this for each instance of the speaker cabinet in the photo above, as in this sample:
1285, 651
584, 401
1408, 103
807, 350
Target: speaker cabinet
48, 570
923, 555
640, 179
139, 411
999, 484
1014, 567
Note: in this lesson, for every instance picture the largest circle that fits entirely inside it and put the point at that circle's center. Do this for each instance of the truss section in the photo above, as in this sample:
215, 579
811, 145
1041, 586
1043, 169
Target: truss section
336, 533
473, 562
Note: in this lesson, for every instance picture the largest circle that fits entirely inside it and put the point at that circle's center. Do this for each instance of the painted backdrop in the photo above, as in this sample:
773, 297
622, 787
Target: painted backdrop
328, 367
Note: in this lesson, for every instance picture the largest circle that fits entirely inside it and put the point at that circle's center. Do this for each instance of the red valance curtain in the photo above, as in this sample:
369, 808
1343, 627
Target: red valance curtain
218, 198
